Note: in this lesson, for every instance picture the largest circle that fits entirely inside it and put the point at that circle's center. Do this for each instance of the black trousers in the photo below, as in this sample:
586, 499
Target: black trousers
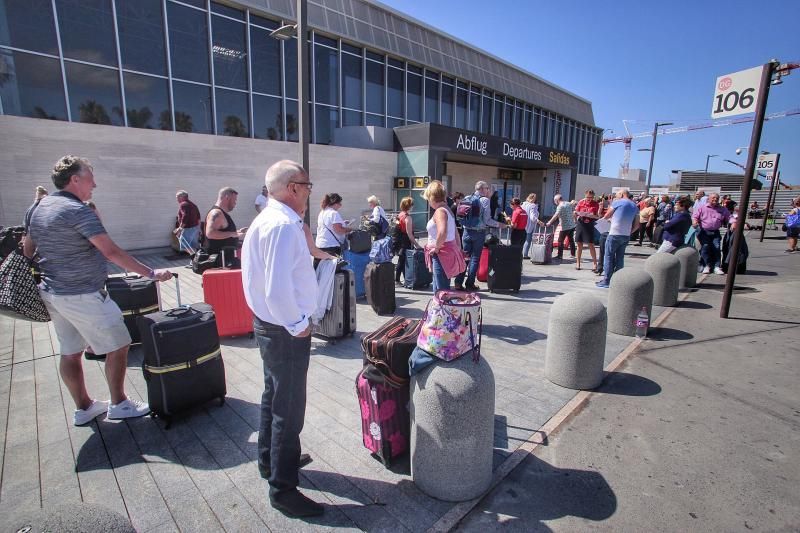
563, 234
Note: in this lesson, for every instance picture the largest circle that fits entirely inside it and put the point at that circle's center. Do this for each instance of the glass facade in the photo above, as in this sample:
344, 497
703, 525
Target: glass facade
203, 67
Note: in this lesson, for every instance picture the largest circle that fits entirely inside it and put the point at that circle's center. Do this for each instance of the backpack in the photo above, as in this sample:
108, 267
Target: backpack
793, 221
381, 251
468, 212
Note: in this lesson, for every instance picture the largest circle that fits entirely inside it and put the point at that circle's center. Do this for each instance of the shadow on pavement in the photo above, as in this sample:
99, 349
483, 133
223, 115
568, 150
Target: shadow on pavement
761, 273
721, 287
625, 384
547, 278
763, 320
537, 491
689, 304
513, 334
670, 334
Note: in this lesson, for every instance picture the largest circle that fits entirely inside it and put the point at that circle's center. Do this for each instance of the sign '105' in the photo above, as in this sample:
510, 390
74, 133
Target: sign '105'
737, 93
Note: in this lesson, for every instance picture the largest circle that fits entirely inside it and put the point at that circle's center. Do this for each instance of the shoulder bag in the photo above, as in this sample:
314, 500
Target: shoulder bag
19, 295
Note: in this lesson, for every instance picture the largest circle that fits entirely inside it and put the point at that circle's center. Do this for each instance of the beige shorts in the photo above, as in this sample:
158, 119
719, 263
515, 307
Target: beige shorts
83, 320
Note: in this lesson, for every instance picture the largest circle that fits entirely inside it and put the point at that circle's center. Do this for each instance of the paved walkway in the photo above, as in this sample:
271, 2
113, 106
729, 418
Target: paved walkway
201, 474
699, 432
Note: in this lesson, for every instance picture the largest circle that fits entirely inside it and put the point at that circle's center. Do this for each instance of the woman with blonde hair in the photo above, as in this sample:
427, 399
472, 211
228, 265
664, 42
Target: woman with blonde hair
443, 251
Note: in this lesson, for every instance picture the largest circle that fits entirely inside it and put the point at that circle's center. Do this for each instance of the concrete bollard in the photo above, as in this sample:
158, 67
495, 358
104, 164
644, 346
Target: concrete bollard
630, 290
576, 341
665, 269
73, 517
690, 260
452, 428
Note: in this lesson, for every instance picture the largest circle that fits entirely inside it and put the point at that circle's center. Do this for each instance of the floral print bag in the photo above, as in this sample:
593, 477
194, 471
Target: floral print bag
452, 325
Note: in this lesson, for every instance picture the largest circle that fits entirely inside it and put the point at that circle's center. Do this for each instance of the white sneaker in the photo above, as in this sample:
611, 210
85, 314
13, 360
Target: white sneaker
706, 270
84, 416
127, 409
719, 271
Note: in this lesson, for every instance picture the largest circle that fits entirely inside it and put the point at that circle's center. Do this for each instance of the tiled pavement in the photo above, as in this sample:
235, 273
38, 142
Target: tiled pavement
201, 475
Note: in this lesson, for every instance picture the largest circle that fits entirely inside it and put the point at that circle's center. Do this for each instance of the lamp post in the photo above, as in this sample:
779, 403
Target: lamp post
653, 153
284, 33
709, 157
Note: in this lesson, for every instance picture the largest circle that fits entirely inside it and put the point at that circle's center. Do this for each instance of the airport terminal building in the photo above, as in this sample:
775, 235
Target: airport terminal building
195, 94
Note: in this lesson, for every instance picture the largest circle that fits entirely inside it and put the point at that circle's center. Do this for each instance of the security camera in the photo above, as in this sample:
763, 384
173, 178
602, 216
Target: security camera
738, 151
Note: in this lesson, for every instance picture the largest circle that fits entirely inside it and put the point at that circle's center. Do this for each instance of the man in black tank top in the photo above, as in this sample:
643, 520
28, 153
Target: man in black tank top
221, 232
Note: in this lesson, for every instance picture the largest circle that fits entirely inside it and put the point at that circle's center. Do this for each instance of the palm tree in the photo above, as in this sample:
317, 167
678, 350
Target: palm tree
235, 127
140, 118
93, 113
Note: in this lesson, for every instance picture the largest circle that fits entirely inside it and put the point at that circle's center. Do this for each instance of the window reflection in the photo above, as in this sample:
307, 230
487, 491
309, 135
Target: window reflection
461, 106
28, 24
431, 99
326, 120
326, 75
232, 115
141, 36
351, 81
394, 93
94, 94
266, 62
188, 43
147, 102
87, 30
31, 86
230, 53
267, 118
290, 62
375, 89
447, 104
292, 133
192, 107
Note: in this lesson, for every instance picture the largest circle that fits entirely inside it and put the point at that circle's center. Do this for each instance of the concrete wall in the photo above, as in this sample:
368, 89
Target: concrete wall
602, 184
138, 171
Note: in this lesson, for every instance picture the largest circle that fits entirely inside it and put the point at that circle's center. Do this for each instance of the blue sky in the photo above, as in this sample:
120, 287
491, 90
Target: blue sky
644, 61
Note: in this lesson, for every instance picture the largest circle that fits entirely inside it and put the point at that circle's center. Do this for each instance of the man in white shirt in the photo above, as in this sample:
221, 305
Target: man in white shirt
281, 289
262, 199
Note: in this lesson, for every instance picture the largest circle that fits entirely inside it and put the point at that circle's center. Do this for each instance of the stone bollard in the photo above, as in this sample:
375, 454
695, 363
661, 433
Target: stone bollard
452, 428
630, 290
665, 269
576, 341
690, 260
72, 518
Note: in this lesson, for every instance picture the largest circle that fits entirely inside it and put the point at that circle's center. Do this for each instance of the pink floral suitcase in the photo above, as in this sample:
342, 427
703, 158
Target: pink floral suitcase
385, 420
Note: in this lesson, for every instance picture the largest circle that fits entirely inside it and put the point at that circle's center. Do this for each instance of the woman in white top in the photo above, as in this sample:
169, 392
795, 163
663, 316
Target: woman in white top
443, 250
332, 229
377, 215
530, 207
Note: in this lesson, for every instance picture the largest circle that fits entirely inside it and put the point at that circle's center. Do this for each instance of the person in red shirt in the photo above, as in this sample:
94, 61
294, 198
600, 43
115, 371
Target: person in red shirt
188, 223
586, 213
519, 221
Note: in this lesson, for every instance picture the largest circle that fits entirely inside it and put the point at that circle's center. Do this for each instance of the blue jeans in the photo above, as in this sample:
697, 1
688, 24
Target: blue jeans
440, 279
283, 403
614, 258
527, 246
472, 243
709, 248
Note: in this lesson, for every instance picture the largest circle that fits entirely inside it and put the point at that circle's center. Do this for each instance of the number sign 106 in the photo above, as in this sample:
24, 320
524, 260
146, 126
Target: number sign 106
733, 99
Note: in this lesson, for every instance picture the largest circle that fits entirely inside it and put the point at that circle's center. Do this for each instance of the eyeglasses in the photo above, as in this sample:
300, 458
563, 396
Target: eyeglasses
306, 183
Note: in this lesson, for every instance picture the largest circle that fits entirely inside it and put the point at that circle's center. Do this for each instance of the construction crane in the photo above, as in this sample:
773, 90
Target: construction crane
628, 139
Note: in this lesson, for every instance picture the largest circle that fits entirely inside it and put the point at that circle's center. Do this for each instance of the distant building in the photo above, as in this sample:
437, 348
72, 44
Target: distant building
635, 174
690, 180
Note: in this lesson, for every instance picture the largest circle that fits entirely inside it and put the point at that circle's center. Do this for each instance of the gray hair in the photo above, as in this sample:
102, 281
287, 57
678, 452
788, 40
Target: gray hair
373, 200
480, 185
557, 198
182, 194
281, 173
66, 167
226, 191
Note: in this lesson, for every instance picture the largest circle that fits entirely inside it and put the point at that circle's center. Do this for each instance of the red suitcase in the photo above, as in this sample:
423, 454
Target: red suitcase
483, 266
222, 290
385, 420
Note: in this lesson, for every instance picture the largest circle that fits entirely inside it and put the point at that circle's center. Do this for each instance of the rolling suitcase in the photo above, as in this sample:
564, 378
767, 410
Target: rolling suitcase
483, 265
340, 319
505, 268
541, 250
223, 291
416, 275
389, 348
385, 420
358, 264
135, 296
182, 364
379, 282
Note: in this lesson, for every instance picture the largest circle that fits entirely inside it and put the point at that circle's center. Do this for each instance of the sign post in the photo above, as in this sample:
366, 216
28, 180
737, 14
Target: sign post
769, 163
755, 92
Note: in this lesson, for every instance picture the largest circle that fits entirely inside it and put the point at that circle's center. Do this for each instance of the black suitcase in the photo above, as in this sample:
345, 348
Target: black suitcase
182, 364
360, 241
135, 296
340, 319
505, 268
417, 275
379, 281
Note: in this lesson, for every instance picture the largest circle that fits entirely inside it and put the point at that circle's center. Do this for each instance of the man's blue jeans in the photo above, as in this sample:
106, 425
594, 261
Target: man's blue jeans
472, 243
440, 279
709, 248
283, 403
614, 258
